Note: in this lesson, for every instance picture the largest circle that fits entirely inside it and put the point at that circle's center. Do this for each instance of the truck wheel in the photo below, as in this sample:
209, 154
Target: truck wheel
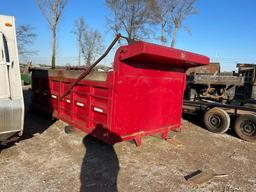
217, 120
245, 127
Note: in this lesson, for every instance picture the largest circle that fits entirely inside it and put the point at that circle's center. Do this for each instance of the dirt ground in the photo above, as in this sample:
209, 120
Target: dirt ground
48, 159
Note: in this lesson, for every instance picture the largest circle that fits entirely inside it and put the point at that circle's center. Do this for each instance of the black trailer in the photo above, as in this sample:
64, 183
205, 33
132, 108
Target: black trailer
217, 117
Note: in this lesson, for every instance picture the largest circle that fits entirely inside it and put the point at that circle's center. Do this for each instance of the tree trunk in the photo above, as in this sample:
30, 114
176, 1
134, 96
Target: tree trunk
88, 62
174, 36
163, 35
79, 53
53, 48
129, 39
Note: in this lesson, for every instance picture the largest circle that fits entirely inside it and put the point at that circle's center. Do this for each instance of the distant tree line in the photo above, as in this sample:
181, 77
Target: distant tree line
134, 19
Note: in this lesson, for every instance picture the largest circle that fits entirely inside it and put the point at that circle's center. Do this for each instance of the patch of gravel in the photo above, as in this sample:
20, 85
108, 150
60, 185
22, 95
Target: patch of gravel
56, 161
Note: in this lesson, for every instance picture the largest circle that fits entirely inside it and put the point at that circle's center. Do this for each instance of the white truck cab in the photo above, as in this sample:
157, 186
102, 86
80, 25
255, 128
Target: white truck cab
11, 96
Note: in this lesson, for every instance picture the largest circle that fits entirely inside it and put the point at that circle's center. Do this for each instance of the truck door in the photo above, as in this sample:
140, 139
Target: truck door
4, 65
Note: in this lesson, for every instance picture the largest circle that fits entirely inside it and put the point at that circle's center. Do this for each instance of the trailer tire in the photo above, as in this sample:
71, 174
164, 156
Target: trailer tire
245, 127
217, 120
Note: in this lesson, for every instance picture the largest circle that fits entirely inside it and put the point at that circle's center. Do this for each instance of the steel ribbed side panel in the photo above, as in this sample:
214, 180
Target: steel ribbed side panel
11, 116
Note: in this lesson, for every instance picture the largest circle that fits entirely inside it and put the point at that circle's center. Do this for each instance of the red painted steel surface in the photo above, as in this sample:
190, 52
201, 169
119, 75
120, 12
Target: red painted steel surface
141, 96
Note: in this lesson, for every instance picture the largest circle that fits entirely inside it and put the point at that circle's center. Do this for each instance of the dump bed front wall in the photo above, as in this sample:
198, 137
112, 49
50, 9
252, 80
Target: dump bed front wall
150, 82
148, 97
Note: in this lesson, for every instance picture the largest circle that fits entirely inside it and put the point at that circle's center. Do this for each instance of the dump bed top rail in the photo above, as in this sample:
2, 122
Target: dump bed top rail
149, 52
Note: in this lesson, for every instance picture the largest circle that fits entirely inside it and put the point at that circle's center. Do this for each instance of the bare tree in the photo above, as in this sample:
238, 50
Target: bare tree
79, 31
91, 46
25, 38
132, 17
90, 42
52, 11
163, 16
183, 9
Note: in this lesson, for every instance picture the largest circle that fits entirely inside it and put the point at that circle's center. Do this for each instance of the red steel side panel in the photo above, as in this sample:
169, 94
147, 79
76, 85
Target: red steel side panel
143, 95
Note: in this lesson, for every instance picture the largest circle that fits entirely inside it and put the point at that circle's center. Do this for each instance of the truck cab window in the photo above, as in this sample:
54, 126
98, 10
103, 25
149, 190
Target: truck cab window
1, 49
6, 50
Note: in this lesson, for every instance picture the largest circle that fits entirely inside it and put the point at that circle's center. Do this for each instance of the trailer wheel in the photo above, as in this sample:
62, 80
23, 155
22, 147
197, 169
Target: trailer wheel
245, 127
217, 120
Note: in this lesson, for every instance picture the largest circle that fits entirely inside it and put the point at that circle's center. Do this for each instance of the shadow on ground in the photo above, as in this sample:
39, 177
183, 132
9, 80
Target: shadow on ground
33, 123
100, 166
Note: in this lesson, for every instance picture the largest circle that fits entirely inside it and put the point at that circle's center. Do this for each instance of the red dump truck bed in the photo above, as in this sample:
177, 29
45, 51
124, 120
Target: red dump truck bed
142, 95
